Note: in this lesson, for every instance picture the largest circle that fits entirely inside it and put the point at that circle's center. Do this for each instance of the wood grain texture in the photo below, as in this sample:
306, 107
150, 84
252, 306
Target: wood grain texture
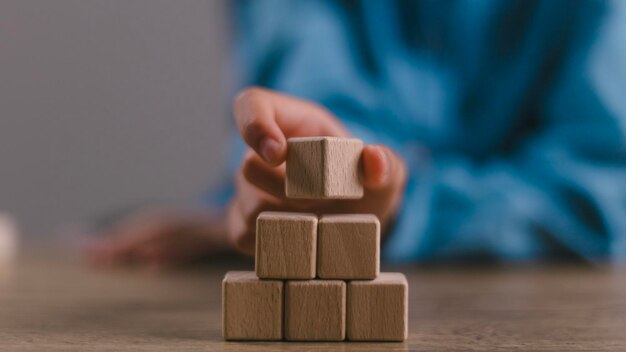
55, 303
323, 168
378, 309
286, 245
315, 310
348, 246
252, 309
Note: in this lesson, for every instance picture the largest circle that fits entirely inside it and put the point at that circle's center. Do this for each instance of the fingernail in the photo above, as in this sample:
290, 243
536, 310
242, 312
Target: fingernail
269, 149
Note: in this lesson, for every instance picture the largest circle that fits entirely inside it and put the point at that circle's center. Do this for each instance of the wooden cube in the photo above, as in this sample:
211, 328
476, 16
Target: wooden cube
252, 309
323, 168
348, 246
378, 309
286, 245
315, 310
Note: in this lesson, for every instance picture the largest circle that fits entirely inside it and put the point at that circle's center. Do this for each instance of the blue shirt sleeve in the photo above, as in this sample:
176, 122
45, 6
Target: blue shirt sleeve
563, 191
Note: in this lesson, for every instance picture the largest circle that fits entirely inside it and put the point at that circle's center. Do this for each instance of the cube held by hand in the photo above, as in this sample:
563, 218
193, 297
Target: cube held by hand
323, 168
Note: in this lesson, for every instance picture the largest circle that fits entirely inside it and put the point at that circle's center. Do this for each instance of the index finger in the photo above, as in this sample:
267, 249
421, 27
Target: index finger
266, 119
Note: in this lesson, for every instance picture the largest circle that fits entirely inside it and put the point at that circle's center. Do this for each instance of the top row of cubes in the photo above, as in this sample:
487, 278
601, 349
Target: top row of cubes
323, 168
298, 246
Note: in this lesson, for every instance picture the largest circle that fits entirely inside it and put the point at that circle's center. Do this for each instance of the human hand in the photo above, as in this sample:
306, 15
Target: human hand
159, 238
265, 120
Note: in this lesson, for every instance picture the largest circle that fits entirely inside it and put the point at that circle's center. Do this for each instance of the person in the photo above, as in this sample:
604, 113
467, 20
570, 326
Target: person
495, 129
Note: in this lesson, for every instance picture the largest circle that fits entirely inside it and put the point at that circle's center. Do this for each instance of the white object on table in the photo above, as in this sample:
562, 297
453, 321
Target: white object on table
8, 239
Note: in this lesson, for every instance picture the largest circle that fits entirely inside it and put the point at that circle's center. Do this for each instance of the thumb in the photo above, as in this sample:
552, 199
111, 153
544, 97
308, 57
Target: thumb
381, 167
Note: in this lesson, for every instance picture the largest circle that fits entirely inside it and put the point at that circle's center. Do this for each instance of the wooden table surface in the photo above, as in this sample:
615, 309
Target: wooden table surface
52, 303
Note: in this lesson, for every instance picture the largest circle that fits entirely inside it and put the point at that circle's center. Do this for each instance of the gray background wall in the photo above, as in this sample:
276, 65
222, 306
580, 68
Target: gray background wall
107, 103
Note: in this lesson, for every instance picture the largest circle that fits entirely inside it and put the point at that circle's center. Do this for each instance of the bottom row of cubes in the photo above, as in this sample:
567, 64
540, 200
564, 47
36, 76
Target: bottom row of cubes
314, 310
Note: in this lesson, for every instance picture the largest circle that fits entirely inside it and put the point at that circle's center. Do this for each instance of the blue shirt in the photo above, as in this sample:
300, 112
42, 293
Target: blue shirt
511, 114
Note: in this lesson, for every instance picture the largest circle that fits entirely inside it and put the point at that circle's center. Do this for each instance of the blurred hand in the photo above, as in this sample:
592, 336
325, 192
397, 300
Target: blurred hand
158, 239
265, 120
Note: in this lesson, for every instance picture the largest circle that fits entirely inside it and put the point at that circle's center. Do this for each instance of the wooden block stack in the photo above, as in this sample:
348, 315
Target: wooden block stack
317, 278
